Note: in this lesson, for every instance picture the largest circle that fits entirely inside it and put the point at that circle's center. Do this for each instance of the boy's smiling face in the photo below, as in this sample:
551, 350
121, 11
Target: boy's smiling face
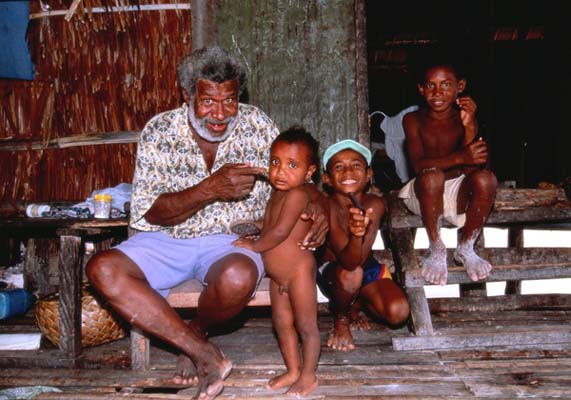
347, 171
441, 87
290, 165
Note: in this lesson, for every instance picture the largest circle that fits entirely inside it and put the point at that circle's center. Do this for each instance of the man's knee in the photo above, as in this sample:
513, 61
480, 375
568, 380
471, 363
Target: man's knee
235, 276
103, 271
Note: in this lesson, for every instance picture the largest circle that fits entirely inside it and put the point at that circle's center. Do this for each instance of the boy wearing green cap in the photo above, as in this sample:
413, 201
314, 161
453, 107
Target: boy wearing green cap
349, 275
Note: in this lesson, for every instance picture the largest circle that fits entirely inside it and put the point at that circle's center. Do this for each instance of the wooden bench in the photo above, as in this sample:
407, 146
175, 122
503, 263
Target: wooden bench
513, 209
184, 296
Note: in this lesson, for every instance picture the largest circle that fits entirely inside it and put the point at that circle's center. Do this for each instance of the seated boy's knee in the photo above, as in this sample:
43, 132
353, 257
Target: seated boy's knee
485, 181
430, 178
350, 281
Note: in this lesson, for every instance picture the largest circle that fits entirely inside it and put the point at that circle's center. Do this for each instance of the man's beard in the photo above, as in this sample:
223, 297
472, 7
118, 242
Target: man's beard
200, 125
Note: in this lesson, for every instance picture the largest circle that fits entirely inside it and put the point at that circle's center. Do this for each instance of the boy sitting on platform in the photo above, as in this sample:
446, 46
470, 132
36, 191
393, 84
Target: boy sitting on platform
292, 271
448, 158
349, 275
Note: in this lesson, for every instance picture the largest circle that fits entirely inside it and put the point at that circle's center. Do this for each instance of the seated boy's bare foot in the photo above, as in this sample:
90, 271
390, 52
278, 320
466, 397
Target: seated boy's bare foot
212, 369
185, 371
434, 267
476, 267
341, 338
303, 386
358, 320
283, 380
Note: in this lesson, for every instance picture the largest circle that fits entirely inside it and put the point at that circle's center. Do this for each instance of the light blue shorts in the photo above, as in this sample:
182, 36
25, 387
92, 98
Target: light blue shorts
167, 262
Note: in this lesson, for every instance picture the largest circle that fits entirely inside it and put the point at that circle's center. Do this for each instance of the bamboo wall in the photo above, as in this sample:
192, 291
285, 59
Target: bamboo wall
99, 72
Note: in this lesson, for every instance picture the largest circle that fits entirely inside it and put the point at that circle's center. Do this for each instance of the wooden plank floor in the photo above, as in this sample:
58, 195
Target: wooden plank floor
373, 371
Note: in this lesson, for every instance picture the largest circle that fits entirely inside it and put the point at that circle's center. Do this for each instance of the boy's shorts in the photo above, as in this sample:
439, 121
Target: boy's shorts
451, 190
167, 262
372, 271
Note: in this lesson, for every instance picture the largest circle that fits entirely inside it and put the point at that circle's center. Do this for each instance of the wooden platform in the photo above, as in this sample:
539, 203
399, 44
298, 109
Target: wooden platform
373, 371
513, 209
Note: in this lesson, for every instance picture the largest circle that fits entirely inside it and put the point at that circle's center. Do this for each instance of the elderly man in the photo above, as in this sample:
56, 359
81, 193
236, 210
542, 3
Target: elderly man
199, 168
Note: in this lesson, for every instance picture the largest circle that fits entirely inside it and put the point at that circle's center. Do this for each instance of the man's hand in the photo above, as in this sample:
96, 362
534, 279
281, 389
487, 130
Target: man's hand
233, 181
316, 235
245, 243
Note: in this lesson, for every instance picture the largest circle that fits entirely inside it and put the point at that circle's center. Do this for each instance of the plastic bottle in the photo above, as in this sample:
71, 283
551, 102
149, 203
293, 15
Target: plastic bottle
15, 302
102, 205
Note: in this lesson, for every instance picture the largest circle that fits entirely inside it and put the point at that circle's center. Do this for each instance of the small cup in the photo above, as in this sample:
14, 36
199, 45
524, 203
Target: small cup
102, 205
36, 210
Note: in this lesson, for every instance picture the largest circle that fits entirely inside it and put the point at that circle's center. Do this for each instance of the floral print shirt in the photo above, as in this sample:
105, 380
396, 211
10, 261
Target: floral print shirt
169, 160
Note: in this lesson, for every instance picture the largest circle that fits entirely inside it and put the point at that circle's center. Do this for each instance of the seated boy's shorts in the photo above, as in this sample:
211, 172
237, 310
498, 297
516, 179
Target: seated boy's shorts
451, 190
372, 271
167, 262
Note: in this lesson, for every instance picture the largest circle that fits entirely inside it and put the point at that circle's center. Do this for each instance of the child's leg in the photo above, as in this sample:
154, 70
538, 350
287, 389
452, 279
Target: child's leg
303, 298
429, 189
385, 300
343, 288
283, 321
476, 196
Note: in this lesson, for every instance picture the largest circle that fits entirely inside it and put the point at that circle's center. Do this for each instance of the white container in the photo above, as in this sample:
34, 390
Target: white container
102, 205
36, 210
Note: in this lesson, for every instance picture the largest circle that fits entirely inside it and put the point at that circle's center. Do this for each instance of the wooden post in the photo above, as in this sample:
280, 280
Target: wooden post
361, 74
70, 295
515, 239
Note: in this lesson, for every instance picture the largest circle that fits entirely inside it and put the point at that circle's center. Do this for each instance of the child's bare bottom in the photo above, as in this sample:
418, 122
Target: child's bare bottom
294, 315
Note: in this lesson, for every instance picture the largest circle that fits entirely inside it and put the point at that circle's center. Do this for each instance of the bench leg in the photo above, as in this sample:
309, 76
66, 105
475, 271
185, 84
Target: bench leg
402, 246
140, 350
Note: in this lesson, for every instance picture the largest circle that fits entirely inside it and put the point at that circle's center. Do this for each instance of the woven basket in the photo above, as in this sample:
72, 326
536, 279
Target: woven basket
98, 323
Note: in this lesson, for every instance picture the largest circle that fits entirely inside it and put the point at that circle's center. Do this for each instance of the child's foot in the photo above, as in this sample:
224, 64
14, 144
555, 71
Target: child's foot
185, 371
341, 338
358, 321
434, 267
283, 380
476, 267
303, 386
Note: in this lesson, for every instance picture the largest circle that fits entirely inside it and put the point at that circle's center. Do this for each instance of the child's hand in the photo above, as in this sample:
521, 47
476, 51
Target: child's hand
358, 221
244, 243
467, 111
476, 153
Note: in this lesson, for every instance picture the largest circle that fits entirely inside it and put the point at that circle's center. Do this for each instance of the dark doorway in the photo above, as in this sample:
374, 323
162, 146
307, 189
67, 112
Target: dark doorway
518, 73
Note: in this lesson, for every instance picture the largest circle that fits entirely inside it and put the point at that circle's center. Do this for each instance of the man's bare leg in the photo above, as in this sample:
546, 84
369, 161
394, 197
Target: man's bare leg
231, 282
429, 188
477, 196
126, 289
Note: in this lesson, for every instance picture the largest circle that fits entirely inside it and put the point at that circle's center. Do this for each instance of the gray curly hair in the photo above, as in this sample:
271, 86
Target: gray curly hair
211, 63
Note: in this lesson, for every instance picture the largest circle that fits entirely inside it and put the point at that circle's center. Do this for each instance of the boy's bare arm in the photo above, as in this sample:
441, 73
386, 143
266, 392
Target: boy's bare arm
274, 234
468, 117
474, 153
353, 247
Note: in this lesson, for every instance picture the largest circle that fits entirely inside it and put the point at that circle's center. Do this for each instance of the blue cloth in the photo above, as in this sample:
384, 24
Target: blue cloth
15, 59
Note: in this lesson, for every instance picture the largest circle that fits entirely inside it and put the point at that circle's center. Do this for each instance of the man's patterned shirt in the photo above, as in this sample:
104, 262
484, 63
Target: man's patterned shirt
169, 160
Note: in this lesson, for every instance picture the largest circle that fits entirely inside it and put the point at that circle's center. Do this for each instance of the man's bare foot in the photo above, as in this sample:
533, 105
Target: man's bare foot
283, 380
212, 369
341, 338
476, 267
434, 267
185, 371
303, 386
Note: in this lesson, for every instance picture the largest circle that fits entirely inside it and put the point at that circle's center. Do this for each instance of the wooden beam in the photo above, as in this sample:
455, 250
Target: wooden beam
71, 141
